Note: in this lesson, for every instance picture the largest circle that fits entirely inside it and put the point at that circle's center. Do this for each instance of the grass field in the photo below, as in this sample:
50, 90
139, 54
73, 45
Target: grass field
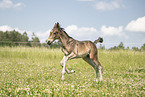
34, 72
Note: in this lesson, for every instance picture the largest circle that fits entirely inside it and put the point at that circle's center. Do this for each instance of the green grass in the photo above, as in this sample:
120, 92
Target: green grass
28, 72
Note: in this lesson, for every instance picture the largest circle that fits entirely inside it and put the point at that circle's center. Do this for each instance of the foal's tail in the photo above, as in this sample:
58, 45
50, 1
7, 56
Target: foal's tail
98, 40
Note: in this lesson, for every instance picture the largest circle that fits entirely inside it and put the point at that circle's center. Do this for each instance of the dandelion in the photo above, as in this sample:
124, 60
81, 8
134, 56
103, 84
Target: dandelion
72, 86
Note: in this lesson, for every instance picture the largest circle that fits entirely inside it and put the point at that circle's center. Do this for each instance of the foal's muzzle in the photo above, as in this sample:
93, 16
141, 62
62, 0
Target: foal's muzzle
49, 41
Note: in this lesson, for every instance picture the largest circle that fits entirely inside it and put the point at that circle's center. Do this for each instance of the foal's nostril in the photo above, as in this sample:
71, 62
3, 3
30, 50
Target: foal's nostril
49, 43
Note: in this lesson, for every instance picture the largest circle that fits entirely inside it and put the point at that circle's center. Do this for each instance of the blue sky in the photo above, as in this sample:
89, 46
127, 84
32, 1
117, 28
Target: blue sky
114, 20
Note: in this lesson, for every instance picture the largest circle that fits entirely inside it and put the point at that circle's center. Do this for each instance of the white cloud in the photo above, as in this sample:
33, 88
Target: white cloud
5, 28
82, 33
102, 5
79, 33
137, 25
43, 36
7, 4
112, 31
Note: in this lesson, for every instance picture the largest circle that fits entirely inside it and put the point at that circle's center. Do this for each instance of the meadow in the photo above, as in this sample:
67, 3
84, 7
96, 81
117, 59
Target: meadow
35, 72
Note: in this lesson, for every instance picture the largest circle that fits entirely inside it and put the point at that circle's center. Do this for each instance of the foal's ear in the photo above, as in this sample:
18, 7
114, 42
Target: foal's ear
57, 25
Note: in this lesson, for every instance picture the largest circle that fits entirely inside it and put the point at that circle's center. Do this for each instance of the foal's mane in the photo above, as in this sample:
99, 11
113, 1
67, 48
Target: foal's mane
65, 32
57, 25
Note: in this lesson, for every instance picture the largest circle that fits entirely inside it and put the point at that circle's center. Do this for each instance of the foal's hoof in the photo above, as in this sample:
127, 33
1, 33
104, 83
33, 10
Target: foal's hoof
72, 71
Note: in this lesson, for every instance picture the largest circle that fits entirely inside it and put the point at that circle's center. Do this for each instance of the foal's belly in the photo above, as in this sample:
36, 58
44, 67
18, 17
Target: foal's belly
82, 49
82, 55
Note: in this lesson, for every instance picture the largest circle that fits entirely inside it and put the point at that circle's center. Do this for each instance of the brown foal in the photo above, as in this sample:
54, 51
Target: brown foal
72, 48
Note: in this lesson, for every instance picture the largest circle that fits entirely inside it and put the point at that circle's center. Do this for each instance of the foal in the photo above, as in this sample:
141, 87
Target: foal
72, 48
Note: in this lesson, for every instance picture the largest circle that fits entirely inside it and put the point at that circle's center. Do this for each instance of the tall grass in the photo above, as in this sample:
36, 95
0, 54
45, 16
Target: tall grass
28, 71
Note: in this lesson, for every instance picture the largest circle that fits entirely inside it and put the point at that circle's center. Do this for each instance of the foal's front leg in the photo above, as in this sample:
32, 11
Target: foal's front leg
65, 59
62, 64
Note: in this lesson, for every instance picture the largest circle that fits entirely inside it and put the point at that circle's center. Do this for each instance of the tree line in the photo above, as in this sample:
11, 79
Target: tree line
14, 38
122, 47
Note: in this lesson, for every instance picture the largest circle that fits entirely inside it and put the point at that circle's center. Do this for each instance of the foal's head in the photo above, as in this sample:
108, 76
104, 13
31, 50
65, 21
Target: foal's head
54, 34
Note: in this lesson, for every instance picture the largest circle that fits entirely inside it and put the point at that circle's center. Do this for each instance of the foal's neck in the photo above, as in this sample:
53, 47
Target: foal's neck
64, 38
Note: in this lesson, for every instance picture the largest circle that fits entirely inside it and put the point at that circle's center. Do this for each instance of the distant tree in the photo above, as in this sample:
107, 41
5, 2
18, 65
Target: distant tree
9, 37
135, 48
13, 38
35, 40
25, 38
44, 45
1, 35
121, 46
143, 47
113, 48
102, 47
127, 48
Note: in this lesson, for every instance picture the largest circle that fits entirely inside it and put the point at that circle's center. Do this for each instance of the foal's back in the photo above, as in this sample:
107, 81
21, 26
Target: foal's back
83, 48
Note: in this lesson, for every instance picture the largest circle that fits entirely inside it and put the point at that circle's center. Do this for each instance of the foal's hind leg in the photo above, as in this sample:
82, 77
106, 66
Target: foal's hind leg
88, 60
100, 68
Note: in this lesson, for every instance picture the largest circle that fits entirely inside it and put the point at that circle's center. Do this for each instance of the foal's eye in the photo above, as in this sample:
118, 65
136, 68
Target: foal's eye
55, 33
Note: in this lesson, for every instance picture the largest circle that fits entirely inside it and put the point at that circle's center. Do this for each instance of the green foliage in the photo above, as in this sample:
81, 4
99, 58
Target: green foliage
102, 47
122, 47
14, 38
25, 38
143, 47
135, 48
11, 38
119, 47
32, 72
35, 41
